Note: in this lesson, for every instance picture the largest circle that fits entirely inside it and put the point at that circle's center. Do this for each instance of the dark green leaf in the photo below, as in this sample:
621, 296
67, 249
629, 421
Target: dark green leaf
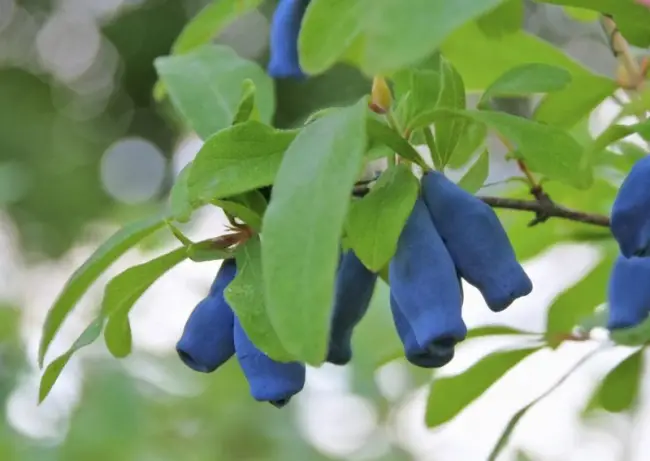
84, 276
181, 207
54, 369
475, 177
303, 226
125, 289
375, 222
205, 84
249, 207
527, 79
620, 388
245, 295
211, 20
238, 159
449, 396
382, 133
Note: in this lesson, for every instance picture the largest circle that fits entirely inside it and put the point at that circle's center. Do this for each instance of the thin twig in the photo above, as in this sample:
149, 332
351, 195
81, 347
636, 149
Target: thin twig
545, 210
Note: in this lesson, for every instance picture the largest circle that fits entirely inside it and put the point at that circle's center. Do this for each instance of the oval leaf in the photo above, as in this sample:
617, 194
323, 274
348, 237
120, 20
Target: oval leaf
620, 388
238, 159
205, 87
375, 222
303, 226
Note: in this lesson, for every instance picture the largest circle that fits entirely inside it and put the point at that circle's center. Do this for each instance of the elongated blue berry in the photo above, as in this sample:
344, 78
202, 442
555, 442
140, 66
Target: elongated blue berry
435, 354
207, 341
285, 29
355, 285
269, 381
477, 242
629, 292
630, 220
425, 289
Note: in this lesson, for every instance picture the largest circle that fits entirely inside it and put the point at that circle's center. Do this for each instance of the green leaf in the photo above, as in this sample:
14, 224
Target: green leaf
449, 396
546, 149
238, 159
638, 335
620, 388
481, 59
375, 222
181, 207
473, 138
504, 19
303, 226
475, 177
527, 79
510, 427
54, 369
205, 84
327, 31
117, 335
381, 133
90, 270
245, 295
249, 207
421, 28
496, 330
365, 31
211, 20
581, 14
449, 130
125, 289
632, 18
207, 251
574, 304
246, 109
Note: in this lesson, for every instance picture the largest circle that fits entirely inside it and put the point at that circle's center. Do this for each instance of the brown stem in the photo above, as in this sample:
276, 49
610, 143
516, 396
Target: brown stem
545, 210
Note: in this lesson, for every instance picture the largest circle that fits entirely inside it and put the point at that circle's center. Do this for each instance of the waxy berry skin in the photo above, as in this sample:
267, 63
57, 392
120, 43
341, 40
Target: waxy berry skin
269, 381
477, 242
426, 294
630, 217
207, 341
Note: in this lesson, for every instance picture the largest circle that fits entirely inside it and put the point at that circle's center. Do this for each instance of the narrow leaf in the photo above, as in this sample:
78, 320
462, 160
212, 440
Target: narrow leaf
90, 270
450, 130
245, 295
496, 330
246, 109
375, 222
238, 159
117, 335
449, 396
54, 369
473, 180
125, 289
303, 226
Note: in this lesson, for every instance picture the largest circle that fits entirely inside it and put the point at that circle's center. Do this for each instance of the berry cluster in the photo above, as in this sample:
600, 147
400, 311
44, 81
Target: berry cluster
450, 235
629, 287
